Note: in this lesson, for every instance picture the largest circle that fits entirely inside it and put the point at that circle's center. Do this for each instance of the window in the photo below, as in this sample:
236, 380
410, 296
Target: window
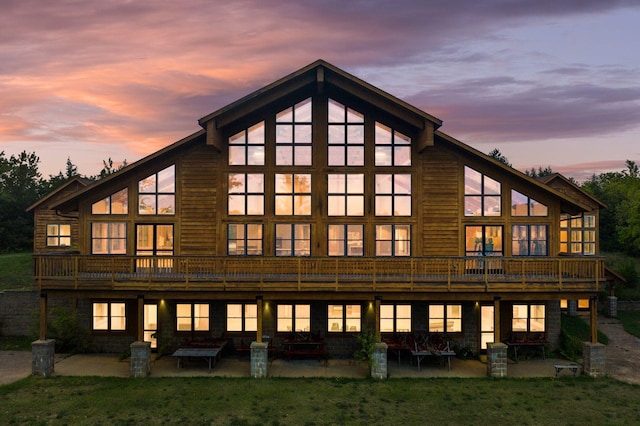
529, 240
293, 135
58, 235
116, 203
192, 317
481, 194
108, 238
344, 318
346, 240
445, 318
528, 318
346, 136
483, 240
393, 240
345, 194
294, 318
154, 240
246, 148
246, 194
522, 205
393, 195
392, 148
109, 316
293, 239
242, 317
395, 318
293, 194
156, 193
582, 232
244, 239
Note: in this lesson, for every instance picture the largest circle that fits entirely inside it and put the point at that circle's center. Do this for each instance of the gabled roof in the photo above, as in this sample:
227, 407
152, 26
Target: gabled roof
76, 180
557, 177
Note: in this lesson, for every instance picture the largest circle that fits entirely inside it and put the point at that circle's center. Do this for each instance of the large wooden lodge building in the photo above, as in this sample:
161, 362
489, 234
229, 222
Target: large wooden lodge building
317, 205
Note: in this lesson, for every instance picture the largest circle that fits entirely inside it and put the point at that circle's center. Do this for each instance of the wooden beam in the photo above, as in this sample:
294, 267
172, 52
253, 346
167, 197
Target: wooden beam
140, 333
214, 136
593, 318
377, 318
259, 319
496, 319
425, 136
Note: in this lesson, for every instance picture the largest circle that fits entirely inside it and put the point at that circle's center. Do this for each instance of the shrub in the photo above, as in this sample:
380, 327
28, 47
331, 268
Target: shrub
70, 338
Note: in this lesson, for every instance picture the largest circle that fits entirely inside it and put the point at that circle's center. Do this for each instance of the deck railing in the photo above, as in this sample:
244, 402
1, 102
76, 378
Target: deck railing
319, 273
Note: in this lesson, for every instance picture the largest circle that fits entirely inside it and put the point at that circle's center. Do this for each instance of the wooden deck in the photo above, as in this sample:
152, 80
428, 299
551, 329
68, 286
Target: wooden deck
218, 273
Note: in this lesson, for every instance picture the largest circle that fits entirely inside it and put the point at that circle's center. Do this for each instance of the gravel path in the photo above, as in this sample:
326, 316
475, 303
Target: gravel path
623, 351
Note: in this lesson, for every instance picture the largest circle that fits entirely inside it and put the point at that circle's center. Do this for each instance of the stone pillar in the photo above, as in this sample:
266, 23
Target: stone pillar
259, 359
572, 307
379, 361
140, 364
496, 360
594, 356
612, 306
43, 357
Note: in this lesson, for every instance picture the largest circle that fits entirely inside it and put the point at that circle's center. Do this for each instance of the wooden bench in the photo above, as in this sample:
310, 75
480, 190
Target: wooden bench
573, 367
531, 339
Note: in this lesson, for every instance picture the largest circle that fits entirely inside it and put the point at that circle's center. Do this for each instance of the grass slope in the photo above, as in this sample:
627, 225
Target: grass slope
16, 271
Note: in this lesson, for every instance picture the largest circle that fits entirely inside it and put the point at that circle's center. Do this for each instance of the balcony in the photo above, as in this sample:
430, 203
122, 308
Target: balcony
362, 274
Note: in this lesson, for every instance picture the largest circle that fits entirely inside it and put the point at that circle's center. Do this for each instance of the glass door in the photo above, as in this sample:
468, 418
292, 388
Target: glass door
151, 324
487, 334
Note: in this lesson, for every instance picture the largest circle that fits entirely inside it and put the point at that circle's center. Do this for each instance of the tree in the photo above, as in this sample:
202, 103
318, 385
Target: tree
21, 184
108, 168
495, 153
547, 171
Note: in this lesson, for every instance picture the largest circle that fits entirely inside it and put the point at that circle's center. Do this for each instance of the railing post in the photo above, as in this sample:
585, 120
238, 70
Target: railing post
186, 272
76, 271
522, 273
560, 273
375, 273
411, 276
299, 272
449, 272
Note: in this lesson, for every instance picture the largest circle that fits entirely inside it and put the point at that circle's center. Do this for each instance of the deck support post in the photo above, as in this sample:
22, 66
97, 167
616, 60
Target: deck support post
259, 302
43, 357
140, 318
593, 318
43, 316
376, 313
496, 319
496, 360
378, 362
259, 359
594, 357
140, 364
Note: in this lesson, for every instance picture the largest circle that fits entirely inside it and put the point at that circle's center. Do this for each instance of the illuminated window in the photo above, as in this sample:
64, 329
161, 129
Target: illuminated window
344, 318
346, 240
246, 148
108, 238
528, 318
293, 135
154, 240
116, 203
529, 240
578, 233
109, 316
294, 318
395, 318
483, 240
244, 239
345, 194
156, 193
481, 194
522, 205
445, 318
242, 317
293, 239
192, 317
293, 194
393, 195
245, 194
346, 136
58, 235
393, 240
392, 147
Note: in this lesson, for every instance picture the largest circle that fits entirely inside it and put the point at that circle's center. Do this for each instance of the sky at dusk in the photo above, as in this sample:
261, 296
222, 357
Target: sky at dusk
547, 82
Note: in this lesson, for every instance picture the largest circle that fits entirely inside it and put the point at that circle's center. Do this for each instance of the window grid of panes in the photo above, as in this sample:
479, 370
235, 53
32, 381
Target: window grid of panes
293, 194
481, 194
247, 147
345, 193
483, 240
395, 318
192, 317
445, 318
345, 135
116, 203
529, 240
293, 318
294, 135
392, 148
242, 317
528, 318
109, 316
578, 234
344, 318
345, 240
393, 240
156, 193
293, 239
244, 239
523, 205
108, 238
58, 235
393, 195
245, 194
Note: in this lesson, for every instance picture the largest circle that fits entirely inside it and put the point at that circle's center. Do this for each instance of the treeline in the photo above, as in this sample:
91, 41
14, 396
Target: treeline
21, 185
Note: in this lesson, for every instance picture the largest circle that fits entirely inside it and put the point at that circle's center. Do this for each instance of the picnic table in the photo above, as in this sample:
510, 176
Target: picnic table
209, 353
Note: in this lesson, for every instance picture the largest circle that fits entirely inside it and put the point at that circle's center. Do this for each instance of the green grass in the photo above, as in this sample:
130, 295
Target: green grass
630, 321
577, 327
15, 343
227, 401
16, 271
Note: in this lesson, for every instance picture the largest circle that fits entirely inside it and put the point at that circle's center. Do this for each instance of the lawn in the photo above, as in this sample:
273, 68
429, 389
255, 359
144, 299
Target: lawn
226, 401
630, 321
16, 271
